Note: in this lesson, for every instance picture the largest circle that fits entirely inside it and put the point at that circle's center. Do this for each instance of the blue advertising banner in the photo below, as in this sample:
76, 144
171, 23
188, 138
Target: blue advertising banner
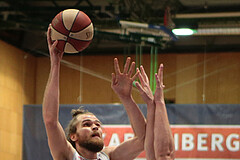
209, 131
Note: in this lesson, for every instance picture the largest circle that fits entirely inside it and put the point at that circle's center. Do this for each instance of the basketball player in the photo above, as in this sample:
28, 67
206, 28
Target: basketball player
85, 131
159, 144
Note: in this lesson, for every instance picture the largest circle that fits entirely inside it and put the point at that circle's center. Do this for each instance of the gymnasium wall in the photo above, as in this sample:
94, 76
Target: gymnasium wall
17, 87
189, 78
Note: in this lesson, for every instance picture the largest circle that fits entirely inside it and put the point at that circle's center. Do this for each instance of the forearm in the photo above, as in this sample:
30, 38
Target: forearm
163, 144
51, 96
135, 116
149, 139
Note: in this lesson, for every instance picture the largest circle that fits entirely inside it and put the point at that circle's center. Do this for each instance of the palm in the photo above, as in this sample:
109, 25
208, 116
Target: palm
147, 94
144, 88
122, 81
123, 85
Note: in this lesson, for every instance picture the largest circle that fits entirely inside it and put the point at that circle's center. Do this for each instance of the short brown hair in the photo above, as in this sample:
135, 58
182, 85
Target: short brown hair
71, 128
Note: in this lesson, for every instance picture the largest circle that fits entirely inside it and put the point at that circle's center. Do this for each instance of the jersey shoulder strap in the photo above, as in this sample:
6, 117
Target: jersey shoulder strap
100, 156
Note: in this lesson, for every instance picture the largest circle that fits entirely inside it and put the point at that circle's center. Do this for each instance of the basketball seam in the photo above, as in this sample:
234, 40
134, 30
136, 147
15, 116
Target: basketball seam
80, 39
55, 30
74, 22
72, 46
66, 35
58, 31
82, 28
70, 32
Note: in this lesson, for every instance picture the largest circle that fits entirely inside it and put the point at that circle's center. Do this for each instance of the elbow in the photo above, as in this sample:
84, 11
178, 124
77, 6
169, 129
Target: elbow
163, 153
141, 141
165, 156
50, 125
49, 120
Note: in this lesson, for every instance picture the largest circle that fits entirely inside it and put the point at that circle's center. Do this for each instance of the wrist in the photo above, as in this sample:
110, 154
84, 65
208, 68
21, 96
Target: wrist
159, 102
125, 98
150, 102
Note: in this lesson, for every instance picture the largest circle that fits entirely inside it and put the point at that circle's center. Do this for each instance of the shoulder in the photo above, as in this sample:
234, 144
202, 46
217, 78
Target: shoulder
108, 150
103, 156
73, 154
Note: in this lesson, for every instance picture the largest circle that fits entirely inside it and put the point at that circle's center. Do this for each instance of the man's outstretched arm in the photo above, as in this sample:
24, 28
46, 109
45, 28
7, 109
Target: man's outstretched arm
163, 139
146, 93
122, 85
59, 146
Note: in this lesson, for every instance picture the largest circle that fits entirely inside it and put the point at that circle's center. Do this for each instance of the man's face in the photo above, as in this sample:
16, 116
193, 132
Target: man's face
89, 133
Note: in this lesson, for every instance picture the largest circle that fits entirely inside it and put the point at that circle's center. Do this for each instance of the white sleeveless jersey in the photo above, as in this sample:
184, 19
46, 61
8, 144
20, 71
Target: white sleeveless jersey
100, 156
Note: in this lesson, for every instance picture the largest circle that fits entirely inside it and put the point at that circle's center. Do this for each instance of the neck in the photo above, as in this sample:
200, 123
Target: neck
86, 153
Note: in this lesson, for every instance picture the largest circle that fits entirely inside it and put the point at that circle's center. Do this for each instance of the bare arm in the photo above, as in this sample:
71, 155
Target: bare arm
148, 98
163, 139
122, 85
58, 144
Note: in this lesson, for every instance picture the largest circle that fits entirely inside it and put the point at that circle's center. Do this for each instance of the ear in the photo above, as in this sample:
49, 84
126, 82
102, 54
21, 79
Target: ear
73, 137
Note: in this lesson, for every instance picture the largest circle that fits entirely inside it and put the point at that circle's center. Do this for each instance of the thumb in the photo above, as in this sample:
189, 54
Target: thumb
139, 87
113, 78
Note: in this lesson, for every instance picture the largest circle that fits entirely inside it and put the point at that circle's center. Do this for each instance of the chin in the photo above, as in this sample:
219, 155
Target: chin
94, 144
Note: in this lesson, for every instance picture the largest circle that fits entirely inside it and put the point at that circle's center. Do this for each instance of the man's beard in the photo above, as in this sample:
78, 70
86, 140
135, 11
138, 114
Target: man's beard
92, 145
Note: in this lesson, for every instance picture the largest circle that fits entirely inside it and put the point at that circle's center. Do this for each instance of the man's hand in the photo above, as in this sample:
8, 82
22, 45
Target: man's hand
158, 96
144, 87
55, 54
122, 81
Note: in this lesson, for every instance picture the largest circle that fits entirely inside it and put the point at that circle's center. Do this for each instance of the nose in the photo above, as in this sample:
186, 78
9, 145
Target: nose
95, 127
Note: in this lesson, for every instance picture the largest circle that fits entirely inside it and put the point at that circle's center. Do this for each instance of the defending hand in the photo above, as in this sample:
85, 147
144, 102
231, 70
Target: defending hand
122, 81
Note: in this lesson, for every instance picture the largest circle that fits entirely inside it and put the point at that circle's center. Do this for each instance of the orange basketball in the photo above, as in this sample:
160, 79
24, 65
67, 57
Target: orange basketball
73, 29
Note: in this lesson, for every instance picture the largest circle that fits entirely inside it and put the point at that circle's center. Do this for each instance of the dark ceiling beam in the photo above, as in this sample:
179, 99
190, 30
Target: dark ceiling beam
48, 8
78, 2
55, 3
89, 3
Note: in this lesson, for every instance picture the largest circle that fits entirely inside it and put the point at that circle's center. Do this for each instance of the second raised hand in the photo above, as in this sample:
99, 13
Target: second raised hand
158, 96
122, 81
144, 88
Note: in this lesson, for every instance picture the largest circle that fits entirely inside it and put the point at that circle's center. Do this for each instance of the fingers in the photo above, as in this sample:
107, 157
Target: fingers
126, 66
135, 75
140, 77
131, 69
113, 79
157, 80
159, 83
53, 48
144, 74
116, 66
139, 87
49, 40
161, 74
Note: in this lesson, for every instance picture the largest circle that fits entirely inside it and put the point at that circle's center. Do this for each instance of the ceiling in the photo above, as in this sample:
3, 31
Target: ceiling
24, 23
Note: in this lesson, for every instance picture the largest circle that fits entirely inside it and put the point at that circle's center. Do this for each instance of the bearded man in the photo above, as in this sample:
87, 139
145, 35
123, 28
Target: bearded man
84, 133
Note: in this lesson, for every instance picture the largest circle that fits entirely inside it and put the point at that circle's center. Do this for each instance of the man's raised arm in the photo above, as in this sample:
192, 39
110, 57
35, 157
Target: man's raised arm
163, 139
59, 147
122, 85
